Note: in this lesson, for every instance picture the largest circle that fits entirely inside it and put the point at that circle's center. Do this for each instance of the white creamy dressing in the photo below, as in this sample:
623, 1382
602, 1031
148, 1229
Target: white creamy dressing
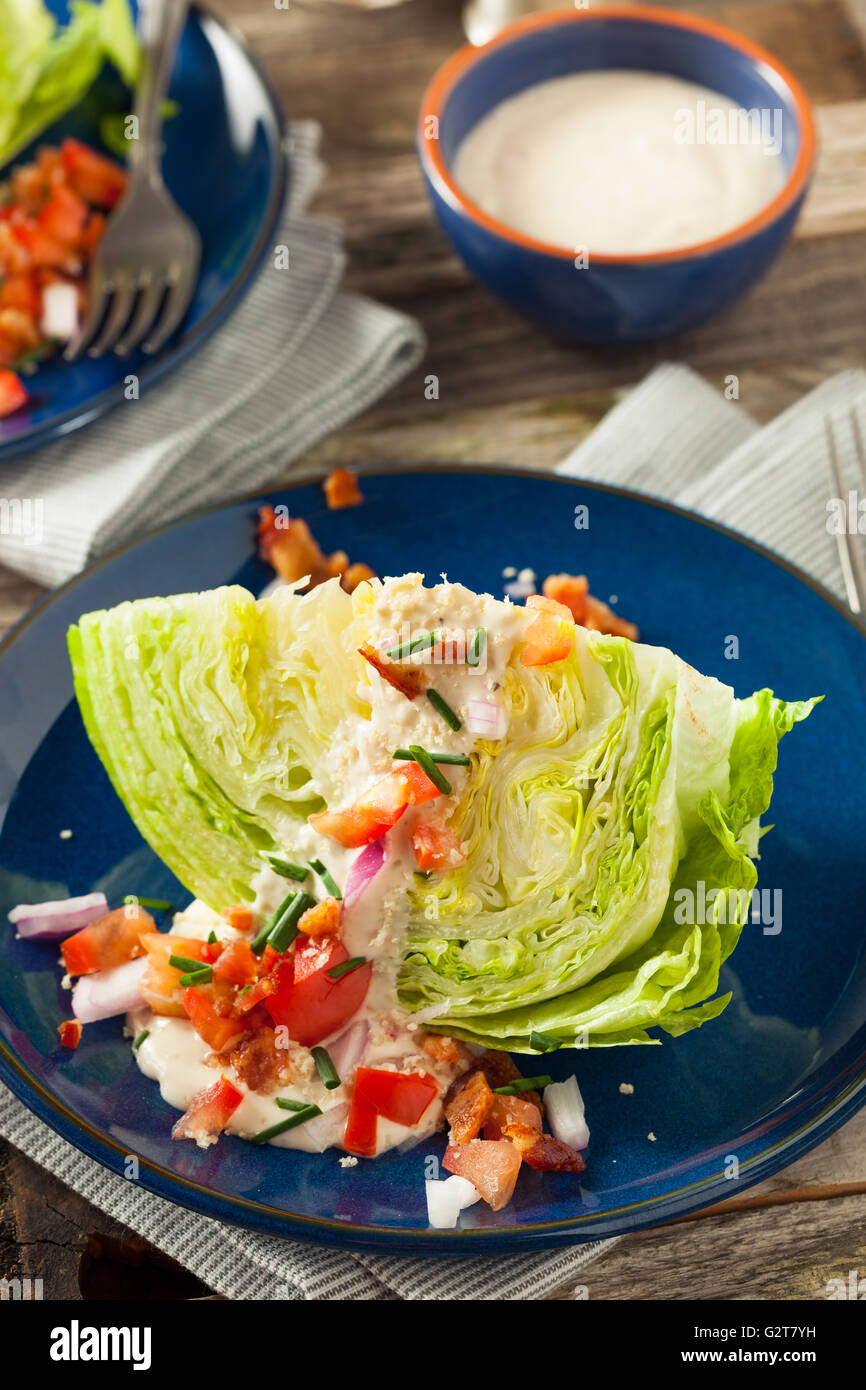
174, 1055
621, 162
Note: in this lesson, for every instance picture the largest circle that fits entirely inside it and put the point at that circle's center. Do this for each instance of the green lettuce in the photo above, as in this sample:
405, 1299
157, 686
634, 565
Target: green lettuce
47, 68
627, 786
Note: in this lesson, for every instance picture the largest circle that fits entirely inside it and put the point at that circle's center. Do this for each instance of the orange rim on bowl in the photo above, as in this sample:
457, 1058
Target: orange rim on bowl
447, 77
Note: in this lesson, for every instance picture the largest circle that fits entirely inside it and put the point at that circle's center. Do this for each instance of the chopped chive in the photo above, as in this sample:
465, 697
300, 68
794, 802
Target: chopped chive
328, 1074
423, 873
524, 1083
308, 1112
418, 644
453, 759
340, 970
149, 904
543, 1042
202, 976
427, 765
283, 933
212, 938
285, 1103
476, 647
245, 990
145, 1033
184, 963
442, 707
318, 868
260, 941
286, 868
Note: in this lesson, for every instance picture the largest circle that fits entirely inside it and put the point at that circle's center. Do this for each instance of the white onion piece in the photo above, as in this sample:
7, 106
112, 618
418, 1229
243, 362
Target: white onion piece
431, 1011
564, 1106
467, 1193
48, 921
349, 1048
520, 588
59, 312
108, 992
443, 1204
327, 1129
362, 871
486, 717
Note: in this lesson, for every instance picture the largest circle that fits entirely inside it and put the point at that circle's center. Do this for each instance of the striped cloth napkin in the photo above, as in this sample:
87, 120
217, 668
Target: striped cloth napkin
673, 436
297, 359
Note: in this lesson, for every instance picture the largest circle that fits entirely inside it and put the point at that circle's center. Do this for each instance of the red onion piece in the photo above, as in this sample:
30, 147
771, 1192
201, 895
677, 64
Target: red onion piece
108, 992
362, 871
520, 588
487, 718
49, 921
348, 1050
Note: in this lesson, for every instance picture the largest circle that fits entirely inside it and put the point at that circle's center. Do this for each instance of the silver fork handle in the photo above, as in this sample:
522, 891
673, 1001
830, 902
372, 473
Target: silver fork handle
160, 23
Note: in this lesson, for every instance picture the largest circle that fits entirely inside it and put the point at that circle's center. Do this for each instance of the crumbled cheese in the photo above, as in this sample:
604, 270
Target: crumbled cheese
509, 572
527, 576
651, 1137
626, 1088
66, 834
350, 1161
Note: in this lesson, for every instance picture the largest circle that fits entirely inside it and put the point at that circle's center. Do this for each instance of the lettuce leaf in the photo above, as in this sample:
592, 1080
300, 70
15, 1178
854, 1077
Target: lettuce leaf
46, 68
627, 786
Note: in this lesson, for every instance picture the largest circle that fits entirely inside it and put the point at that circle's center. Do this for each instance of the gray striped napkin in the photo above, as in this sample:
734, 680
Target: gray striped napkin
296, 359
673, 436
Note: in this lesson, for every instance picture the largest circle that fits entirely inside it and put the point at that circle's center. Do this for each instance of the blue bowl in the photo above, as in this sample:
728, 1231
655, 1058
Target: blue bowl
615, 298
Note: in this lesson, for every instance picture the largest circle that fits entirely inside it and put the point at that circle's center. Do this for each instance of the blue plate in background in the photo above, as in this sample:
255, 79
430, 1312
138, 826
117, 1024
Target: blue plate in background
782, 1068
225, 164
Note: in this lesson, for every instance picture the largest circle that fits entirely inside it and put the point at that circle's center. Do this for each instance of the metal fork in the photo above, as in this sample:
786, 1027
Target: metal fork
849, 546
145, 268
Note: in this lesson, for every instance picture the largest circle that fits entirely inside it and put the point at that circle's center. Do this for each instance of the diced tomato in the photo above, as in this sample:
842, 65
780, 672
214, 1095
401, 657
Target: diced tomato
93, 233
399, 1097
355, 574
21, 292
44, 249
209, 1113
236, 963
542, 1151
341, 489
241, 917
160, 984
110, 940
469, 1106
491, 1165
410, 680
202, 1006
550, 635
573, 591
511, 1110
13, 393
70, 1032
14, 258
321, 920
63, 216
96, 179
436, 847
377, 809
19, 334
307, 1001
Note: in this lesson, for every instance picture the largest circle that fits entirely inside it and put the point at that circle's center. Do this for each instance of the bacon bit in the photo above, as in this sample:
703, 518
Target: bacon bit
240, 917
446, 1050
469, 1106
572, 590
295, 553
342, 489
511, 1110
249, 998
550, 634
260, 1064
437, 847
500, 1070
542, 1151
321, 920
70, 1032
236, 963
409, 680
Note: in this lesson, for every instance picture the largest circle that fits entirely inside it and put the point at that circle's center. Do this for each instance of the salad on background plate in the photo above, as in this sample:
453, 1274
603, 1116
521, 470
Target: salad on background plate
426, 829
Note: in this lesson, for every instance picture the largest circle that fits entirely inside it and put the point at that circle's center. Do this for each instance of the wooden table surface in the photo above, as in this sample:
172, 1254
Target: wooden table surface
509, 394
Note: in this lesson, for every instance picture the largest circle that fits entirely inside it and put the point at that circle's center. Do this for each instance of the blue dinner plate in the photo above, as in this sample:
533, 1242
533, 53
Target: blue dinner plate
226, 166
729, 1104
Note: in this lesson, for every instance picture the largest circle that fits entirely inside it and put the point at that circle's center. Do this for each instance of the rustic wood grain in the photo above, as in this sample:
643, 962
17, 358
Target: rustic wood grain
509, 394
